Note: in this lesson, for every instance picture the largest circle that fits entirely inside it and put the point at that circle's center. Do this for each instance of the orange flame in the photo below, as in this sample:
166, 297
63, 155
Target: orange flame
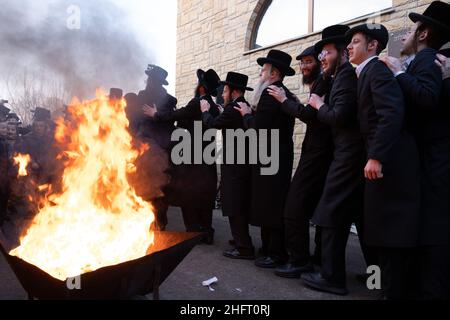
22, 160
97, 220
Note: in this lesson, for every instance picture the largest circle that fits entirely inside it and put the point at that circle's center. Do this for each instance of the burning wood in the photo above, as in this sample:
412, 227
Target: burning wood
22, 161
97, 220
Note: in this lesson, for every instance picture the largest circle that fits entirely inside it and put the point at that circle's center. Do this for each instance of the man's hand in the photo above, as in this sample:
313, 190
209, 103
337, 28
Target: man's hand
149, 111
316, 102
204, 106
278, 93
243, 108
392, 63
444, 64
373, 170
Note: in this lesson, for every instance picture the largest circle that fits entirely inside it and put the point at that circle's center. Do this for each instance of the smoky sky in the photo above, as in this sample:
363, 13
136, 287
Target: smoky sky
103, 53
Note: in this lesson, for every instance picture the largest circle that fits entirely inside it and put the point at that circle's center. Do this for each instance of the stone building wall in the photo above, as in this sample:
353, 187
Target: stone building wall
218, 34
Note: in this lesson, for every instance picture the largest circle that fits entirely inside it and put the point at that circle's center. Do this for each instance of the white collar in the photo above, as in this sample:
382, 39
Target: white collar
361, 67
408, 61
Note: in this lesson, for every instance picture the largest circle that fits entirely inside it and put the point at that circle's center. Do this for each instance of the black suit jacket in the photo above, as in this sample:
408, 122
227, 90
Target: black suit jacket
392, 204
429, 116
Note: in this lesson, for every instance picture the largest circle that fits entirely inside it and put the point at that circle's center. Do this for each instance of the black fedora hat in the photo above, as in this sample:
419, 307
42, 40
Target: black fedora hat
157, 73
41, 114
437, 15
375, 30
280, 60
332, 34
12, 117
310, 51
237, 80
209, 79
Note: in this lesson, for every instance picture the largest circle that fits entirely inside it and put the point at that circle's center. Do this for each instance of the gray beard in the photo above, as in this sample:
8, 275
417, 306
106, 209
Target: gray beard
260, 87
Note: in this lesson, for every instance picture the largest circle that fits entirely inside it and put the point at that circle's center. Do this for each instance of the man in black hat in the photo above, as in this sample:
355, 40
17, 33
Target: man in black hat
4, 165
429, 119
341, 201
308, 182
235, 177
392, 188
193, 186
269, 191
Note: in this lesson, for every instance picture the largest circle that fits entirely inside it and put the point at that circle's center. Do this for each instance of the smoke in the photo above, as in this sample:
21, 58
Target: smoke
40, 37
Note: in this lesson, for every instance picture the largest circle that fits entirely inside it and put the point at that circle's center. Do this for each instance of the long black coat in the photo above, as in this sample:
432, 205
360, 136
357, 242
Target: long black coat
429, 116
342, 197
193, 185
269, 191
392, 204
235, 186
317, 152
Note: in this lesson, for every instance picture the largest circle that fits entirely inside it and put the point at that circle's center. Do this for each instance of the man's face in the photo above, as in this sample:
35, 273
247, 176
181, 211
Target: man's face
408, 41
39, 128
3, 129
329, 58
265, 73
357, 49
226, 95
12, 132
307, 65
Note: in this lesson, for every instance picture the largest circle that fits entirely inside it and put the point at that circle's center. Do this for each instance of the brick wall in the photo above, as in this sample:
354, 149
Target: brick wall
217, 34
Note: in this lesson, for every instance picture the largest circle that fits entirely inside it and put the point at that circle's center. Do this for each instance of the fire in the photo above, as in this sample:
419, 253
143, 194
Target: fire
22, 160
97, 220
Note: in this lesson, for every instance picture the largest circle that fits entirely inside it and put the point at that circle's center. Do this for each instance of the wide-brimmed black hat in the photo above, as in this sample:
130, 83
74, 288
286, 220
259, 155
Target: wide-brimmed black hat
13, 117
437, 15
4, 110
157, 73
307, 52
375, 30
280, 60
237, 80
209, 79
41, 114
332, 34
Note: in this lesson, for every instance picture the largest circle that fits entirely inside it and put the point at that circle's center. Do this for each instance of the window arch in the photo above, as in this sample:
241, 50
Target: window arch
275, 21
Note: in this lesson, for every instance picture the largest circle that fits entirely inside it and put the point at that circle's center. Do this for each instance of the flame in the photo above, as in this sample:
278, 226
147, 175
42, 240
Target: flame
22, 160
97, 220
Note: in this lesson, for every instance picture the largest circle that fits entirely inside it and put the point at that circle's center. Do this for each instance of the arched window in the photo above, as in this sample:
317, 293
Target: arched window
280, 20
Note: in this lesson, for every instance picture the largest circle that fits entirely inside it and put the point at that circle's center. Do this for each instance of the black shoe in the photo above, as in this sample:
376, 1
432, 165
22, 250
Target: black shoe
291, 270
267, 262
239, 254
317, 282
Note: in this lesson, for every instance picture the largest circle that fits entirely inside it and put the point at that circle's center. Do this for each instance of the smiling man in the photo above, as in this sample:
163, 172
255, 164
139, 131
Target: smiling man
392, 188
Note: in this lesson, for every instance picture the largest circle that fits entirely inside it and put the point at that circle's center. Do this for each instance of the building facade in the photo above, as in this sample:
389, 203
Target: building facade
223, 35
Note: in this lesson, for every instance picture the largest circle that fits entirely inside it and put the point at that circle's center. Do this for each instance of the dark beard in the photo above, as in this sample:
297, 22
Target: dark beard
331, 71
312, 76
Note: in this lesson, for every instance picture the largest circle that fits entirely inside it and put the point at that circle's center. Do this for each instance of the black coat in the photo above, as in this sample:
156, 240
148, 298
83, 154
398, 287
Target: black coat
342, 197
192, 185
429, 116
269, 191
392, 204
317, 151
235, 185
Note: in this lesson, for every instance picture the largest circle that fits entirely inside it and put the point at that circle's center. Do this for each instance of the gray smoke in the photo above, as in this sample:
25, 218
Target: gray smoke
102, 53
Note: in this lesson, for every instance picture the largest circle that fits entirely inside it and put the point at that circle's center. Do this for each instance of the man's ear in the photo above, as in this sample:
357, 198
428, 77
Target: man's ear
423, 35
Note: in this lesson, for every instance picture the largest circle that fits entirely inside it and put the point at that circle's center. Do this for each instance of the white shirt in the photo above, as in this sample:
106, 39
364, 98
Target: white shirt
361, 67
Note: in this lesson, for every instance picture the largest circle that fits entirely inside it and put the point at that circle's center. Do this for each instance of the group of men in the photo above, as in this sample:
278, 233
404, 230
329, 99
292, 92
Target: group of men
376, 153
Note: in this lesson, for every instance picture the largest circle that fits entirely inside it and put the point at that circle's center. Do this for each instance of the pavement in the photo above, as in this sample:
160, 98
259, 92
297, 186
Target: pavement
237, 279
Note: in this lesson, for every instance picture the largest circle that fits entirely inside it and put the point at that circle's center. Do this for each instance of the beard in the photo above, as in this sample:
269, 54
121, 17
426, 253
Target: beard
331, 70
313, 75
260, 87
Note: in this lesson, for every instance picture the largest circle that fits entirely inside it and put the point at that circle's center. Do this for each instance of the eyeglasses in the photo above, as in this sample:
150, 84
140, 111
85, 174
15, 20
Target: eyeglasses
323, 54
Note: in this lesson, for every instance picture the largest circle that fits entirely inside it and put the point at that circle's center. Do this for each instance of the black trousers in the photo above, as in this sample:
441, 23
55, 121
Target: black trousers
435, 272
273, 243
334, 243
197, 219
240, 231
398, 272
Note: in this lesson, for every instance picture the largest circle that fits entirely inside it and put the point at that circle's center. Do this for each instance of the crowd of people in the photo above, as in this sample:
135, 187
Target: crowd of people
376, 154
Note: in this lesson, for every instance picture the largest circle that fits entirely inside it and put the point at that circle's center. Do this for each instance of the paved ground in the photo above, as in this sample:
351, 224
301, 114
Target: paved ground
237, 279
